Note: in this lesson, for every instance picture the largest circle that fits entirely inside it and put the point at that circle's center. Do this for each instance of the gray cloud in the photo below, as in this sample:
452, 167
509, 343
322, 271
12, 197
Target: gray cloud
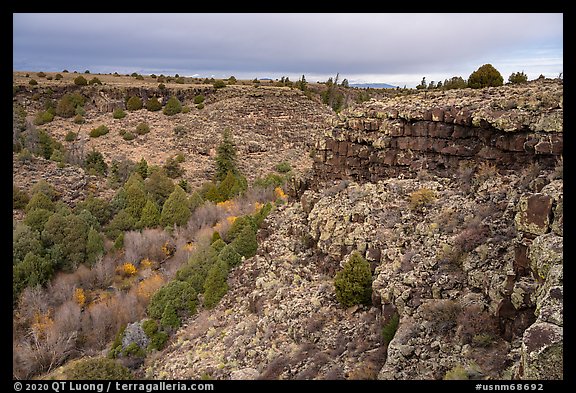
323, 44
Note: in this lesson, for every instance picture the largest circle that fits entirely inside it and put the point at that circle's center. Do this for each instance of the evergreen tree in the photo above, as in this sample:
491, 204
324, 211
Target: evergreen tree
246, 243
226, 156
142, 168
37, 218
230, 256
33, 270
485, 76
353, 284
94, 246
195, 201
122, 221
175, 209
40, 201
150, 216
159, 186
24, 240
135, 196
216, 285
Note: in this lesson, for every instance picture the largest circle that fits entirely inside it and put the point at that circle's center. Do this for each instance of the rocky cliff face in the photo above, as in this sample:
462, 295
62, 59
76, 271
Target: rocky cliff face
466, 252
510, 126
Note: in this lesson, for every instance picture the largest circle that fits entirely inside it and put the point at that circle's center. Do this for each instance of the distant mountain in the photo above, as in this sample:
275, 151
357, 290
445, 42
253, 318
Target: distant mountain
373, 85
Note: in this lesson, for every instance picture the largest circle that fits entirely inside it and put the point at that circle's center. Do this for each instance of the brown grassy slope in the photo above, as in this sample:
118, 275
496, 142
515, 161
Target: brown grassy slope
269, 125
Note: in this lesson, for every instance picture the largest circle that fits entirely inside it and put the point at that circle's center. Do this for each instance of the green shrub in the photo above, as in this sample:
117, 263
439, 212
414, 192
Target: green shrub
216, 285
219, 84
185, 109
40, 200
179, 294
200, 106
353, 284
195, 271
229, 255
43, 118
95, 81
457, 372
116, 347
283, 167
70, 136
518, 77
199, 99
33, 270
58, 77
485, 76
118, 114
97, 369
41, 74
37, 218
421, 198
173, 106
25, 240
272, 180
238, 226
134, 103
134, 349
172, 168
261, 214
389, 329
215, 237
68, 105
157, 338
80, 81
128, 136
99, 131
142, 128
153, 104
161, 86
33, 82
94, 162
78, 119
218, 245
19, 198
246, 243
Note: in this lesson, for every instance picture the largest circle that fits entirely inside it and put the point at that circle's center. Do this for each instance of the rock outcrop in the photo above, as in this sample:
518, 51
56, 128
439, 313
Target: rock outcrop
510, 126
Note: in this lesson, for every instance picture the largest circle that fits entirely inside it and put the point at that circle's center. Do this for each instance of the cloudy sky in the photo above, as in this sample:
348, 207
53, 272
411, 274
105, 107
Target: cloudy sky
397, 49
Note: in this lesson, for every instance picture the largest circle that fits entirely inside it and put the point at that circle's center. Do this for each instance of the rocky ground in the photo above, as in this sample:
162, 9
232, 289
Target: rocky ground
449, 268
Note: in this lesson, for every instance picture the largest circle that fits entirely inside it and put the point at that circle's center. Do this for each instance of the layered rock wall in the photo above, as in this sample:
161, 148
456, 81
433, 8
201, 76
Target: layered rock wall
510, 126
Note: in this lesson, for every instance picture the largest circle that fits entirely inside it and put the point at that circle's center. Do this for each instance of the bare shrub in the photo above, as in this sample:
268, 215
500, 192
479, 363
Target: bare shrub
145, 244
86, 278
476, 325
441, 314
33, 300
67, 318
104, 270
335, 373
471, 237
275, 368
62, 287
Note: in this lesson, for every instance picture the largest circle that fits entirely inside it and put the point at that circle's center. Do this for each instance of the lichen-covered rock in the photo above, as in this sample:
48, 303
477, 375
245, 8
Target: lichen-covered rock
545, 252
135, 334
534, 211
542, 352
